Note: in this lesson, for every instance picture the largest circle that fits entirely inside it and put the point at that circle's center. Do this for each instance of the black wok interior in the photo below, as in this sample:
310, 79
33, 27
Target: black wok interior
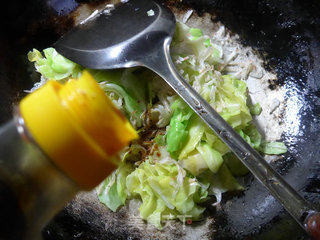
285, 33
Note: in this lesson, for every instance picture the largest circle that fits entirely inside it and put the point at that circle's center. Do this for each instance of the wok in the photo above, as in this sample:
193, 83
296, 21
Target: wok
285, 33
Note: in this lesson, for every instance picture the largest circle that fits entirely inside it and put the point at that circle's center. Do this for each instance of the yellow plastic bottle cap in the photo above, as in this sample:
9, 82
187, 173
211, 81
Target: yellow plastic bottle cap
78, 127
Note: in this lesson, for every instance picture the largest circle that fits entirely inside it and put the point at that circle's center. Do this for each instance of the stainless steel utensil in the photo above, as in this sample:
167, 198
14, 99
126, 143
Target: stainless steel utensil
139, 33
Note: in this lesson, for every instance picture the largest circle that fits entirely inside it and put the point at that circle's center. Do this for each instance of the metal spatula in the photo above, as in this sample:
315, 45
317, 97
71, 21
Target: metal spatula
139, 33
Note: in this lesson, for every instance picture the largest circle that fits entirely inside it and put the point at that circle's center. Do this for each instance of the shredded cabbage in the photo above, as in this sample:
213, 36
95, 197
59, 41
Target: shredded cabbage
123, 85
179, 161
162, 194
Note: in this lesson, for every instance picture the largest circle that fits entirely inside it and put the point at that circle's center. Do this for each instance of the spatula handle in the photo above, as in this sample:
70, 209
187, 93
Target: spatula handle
291, 200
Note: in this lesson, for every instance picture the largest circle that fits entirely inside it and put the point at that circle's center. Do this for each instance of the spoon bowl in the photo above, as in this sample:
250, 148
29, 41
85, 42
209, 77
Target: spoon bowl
119, 38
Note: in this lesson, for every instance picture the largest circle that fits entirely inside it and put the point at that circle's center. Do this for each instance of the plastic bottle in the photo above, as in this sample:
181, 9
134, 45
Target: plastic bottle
63, 139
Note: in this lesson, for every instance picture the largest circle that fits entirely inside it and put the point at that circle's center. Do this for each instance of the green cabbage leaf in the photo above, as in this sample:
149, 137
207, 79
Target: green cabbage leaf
113, 191
255, 109
273, 148
177, 133
53, 65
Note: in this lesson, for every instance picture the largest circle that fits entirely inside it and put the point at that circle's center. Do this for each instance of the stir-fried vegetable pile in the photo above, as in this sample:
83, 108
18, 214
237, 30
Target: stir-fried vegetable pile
178, 161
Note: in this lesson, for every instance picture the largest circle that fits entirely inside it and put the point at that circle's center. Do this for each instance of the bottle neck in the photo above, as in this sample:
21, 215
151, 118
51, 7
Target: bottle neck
39, 188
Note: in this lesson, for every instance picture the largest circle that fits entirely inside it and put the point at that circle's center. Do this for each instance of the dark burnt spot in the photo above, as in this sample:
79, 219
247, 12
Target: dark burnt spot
272, 85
